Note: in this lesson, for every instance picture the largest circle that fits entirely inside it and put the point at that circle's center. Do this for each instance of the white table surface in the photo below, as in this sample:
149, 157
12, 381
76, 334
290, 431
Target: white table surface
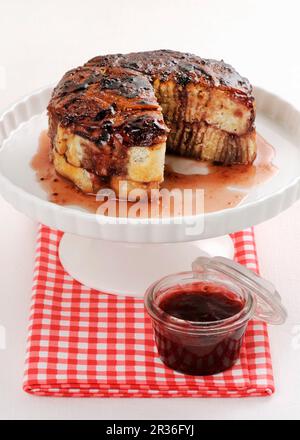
39, 42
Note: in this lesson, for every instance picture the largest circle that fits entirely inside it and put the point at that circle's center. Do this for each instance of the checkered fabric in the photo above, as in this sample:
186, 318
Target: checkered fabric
84, 343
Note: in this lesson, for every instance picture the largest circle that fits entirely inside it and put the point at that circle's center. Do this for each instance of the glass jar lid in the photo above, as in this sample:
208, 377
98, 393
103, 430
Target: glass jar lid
269, 307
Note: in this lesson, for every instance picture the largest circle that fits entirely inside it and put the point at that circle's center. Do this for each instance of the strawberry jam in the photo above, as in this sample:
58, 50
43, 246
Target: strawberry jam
198, 335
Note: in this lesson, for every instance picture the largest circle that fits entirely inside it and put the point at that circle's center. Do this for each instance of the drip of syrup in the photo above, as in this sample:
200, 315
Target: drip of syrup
224, 187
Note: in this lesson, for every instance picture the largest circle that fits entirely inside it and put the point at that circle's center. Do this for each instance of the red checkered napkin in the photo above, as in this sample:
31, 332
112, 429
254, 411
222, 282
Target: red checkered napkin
83, 343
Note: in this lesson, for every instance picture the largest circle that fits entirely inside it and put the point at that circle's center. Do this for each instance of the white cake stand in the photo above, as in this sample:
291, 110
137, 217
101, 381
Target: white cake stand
124, 258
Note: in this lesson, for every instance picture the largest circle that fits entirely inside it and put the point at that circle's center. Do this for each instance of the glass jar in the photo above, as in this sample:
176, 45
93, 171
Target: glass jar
205, 348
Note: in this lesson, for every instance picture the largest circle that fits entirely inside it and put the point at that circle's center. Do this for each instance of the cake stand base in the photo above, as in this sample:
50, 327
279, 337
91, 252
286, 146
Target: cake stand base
128, 269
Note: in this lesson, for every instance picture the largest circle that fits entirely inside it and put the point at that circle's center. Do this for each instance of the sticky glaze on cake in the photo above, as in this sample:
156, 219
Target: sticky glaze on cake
115, 117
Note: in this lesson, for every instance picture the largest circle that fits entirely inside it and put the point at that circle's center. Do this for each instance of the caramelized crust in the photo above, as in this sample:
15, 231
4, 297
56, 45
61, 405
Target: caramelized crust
183, 68
107, 104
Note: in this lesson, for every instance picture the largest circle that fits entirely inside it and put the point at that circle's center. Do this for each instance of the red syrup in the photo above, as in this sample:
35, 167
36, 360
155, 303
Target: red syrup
210, 350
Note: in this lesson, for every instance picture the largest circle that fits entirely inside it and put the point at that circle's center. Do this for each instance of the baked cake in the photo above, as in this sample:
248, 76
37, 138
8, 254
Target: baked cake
114, 118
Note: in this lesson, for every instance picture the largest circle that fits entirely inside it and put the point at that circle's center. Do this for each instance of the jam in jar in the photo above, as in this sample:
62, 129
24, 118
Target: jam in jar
200, 317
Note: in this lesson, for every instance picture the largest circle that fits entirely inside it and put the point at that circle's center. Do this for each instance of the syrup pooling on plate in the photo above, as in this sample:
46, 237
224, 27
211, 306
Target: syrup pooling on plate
224, 186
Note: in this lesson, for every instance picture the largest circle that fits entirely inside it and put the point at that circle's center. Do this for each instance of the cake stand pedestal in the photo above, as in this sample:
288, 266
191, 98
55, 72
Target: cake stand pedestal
129, 268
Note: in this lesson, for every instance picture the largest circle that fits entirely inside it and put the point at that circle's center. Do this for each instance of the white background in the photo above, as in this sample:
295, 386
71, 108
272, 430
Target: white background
39, 41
